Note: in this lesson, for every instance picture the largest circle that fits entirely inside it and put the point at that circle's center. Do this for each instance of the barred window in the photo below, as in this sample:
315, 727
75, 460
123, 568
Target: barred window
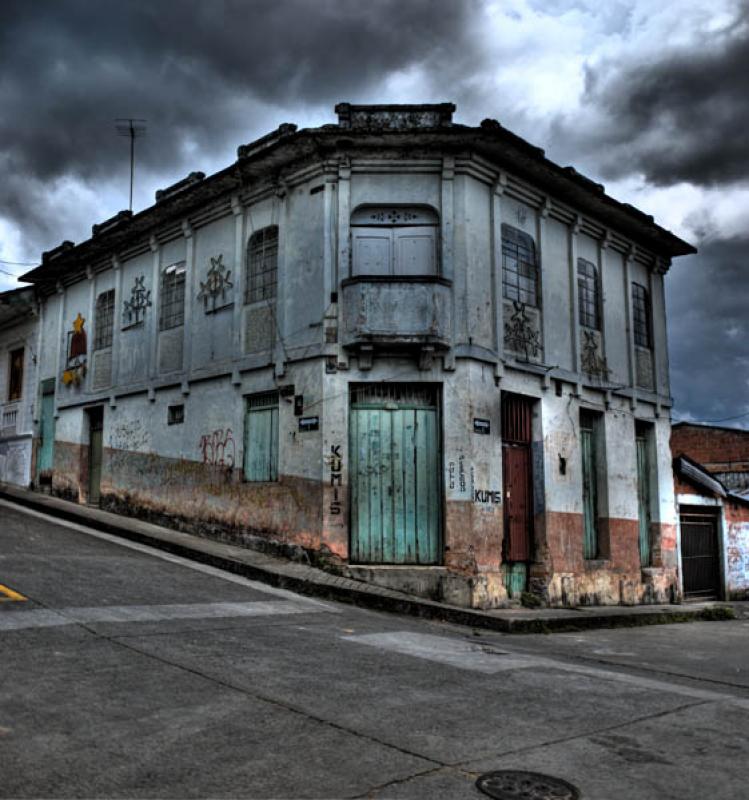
172, 297
262, 265
641, 315
104, 320
519, 266
588, 294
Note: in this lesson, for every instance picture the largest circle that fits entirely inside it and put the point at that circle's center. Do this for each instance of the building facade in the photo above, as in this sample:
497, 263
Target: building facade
19, 349
420, 352
711, 477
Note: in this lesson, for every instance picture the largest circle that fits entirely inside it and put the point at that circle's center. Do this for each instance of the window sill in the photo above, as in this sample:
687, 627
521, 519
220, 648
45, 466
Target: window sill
596, 563
396, 279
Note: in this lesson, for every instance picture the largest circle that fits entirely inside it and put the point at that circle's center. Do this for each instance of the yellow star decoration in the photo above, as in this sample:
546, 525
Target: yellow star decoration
78, 323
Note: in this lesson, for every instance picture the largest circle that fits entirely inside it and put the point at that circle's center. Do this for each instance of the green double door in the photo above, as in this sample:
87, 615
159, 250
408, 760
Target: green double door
396, 497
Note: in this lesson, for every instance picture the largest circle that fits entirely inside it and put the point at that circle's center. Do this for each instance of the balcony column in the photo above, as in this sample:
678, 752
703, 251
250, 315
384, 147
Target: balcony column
631, 356
152, 320
575, 304
496, 260
281, 282
343, 265
116, 328
240, 279
190, 295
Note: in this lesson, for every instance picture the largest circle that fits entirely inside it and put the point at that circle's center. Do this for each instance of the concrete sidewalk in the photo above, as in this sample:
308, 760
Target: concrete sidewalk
308, 580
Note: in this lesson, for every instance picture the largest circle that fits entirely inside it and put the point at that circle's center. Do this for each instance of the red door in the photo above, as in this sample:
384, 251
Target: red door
516, 477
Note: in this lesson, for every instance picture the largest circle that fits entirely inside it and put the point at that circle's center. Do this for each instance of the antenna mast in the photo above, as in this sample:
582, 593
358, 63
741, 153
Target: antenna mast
132, 128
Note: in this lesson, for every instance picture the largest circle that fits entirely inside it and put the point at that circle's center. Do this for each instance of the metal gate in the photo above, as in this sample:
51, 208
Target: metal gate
396, 484
700, 565
96, 432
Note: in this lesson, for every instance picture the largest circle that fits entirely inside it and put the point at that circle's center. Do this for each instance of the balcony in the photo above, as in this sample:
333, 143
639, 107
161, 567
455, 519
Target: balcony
396, 312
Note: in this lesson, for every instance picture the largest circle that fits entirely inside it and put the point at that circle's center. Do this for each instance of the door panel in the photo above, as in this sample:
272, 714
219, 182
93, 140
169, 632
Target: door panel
518, 515
395, 486
590, 499
643, 500
699, 556
96, 432
47, 434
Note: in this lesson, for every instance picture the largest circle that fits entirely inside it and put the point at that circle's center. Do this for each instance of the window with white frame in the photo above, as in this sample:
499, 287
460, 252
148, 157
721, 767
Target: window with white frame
104, 320
519, 267
262, 265
172, 301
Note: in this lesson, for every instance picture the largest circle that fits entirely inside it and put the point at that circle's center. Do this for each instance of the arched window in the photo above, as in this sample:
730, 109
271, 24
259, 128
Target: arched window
262, 265
588, 295
519, 267
394, 241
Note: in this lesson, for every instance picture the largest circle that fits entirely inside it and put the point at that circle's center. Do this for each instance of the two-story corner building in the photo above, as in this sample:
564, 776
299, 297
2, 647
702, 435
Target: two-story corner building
19, 347
417, 350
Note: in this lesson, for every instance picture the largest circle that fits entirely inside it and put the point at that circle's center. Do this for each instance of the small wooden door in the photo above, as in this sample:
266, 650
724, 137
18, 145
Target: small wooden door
700, 563
516, 477
95, 446
45, 452
643, 499
590, 487
396, 490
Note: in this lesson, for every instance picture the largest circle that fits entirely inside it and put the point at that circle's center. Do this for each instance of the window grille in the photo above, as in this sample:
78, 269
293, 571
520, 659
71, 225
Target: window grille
175, 414
641, 315
519, 267
15, 383
588, 295
104, 320
261, 438
262, 265
172, 297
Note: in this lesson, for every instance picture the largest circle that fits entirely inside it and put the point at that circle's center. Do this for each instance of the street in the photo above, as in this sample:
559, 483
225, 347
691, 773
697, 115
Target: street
128, 672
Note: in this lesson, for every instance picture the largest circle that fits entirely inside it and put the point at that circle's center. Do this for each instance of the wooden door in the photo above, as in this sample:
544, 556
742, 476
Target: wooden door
96, 432
700, 563
643, 499
45, 457
396, 492
516, 477
590, 490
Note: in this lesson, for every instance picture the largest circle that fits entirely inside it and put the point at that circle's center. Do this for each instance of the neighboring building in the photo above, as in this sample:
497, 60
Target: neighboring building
393, 342
18, 383
711, 476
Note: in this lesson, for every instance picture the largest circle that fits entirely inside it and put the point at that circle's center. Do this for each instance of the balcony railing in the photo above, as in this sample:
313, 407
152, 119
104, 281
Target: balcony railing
396, 311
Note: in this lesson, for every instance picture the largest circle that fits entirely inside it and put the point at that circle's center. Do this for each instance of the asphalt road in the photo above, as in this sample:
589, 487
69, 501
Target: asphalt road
131, 673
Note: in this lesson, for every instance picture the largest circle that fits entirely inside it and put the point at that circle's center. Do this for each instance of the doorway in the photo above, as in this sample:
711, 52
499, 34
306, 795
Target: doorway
517, 414
95, 453
700, 556
46, 448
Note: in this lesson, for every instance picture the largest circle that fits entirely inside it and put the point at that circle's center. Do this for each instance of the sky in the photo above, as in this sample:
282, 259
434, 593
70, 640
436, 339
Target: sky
649, 98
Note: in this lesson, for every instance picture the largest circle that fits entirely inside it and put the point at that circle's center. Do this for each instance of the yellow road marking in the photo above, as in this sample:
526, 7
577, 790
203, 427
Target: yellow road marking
9, 594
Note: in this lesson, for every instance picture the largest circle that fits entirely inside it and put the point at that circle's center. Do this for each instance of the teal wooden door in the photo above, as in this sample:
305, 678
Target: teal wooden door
45, 458
396, 496
643, 499
261, 444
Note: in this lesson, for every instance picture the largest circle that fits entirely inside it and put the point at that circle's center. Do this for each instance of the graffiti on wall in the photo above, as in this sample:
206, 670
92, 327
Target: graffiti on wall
134, 309
217, 448
214, 292
336, 477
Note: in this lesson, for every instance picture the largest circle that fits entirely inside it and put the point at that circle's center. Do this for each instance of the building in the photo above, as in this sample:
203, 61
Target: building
711, 476
419, 352
19, 348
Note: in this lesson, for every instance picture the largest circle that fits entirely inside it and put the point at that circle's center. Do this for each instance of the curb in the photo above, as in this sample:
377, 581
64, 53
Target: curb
346, 590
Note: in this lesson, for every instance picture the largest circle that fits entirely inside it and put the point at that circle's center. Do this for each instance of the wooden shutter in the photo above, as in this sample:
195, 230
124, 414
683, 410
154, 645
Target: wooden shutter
372, 251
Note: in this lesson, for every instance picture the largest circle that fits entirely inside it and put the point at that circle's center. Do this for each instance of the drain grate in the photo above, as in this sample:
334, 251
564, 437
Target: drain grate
512, 784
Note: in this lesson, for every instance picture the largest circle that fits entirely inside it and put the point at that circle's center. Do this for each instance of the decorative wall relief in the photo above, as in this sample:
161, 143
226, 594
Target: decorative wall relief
214, 292
75, 366
134, 309
591, 360
521, 334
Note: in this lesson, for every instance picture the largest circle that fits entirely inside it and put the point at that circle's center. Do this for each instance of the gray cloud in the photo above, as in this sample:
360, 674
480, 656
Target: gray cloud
682, 117
708, 329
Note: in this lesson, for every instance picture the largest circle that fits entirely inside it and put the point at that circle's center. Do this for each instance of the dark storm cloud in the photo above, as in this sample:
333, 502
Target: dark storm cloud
206, 76
683, 117
707, 301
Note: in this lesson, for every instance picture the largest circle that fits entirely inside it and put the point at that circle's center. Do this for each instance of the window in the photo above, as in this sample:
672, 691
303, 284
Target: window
589, 426
15, 382
175, 415
519, 267
641, 315
588, 295
172, 297
261, 438
104, 324
262, 265
394, 241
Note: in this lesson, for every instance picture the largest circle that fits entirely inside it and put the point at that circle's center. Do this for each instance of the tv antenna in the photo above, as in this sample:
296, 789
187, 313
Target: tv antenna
132, 128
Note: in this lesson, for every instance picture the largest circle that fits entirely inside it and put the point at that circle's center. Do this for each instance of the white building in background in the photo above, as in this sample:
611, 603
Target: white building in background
19, 349
419, 351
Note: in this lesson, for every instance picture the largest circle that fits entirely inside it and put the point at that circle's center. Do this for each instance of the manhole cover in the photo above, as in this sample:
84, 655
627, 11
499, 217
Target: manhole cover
511, 784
